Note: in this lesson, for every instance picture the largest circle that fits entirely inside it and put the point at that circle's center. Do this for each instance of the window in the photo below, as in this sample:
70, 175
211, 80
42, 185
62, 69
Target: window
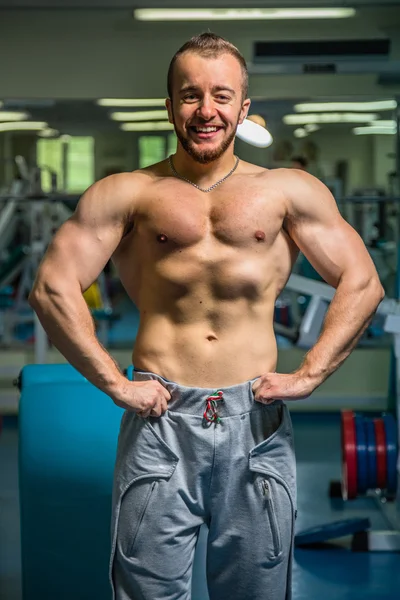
151, 150
49, 154
72, 158
155, 148
80, 164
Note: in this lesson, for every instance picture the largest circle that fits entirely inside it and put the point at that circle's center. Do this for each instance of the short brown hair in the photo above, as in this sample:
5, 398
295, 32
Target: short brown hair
209, 45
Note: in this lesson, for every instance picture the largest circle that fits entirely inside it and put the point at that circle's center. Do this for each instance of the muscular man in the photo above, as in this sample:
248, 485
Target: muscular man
204, 243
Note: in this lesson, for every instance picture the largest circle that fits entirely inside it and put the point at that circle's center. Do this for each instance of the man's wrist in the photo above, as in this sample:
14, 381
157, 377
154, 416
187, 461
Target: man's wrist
312, 376
115, 386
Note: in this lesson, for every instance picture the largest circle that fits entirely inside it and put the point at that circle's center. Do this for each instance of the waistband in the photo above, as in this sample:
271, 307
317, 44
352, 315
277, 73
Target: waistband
228, 401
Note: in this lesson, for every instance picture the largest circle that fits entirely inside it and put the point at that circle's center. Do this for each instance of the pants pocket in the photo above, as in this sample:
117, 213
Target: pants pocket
273, 462
275, 454
134, 505
269, 500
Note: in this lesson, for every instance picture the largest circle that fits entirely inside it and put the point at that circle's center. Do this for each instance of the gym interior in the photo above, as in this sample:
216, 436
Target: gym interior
82, 96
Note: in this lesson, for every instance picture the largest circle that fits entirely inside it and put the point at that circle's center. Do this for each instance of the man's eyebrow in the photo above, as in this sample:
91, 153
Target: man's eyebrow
224, 88
216, 88
188, 88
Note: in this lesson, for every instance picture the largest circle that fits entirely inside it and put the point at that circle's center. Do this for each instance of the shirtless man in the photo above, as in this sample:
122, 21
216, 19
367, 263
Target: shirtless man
204, 244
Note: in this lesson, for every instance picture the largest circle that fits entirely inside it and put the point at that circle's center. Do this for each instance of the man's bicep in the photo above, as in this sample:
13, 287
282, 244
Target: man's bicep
78, 253
332, 249
331, 245
84, 244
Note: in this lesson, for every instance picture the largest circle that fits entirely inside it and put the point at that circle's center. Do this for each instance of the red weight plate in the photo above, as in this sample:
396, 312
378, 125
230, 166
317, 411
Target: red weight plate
381, 459
349, 456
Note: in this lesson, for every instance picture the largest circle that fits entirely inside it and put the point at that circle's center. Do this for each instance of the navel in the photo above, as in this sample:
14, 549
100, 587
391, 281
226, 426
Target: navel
259, 235
162, 238
212, 338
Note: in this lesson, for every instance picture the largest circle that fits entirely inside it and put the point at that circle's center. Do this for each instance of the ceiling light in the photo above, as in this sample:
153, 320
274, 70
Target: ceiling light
381, 123
241, 14
49, 133
24, 126
147, 126
373, 131
6, 115
141, 115
254, 134
300, 133
329, 118
352, 106
131, 102
311, 127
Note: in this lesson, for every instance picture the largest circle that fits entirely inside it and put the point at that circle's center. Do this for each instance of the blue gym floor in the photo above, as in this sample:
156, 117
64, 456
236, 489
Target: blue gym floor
330, 574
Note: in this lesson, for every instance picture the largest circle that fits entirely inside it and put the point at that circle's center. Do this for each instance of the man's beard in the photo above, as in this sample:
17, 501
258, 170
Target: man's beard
207, 155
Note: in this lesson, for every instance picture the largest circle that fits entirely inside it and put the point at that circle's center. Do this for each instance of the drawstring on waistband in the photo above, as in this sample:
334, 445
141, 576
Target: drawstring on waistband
211, 413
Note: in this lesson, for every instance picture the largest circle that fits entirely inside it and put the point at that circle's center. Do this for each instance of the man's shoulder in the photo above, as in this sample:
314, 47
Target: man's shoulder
285, 174
113, 194
293, 182
125, 180
281, 175
124, 186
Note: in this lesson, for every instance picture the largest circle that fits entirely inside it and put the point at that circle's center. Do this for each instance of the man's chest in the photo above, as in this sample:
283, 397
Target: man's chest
242, 218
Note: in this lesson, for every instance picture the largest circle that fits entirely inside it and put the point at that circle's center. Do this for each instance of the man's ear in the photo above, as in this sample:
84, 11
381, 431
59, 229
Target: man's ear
168, 105
244, 110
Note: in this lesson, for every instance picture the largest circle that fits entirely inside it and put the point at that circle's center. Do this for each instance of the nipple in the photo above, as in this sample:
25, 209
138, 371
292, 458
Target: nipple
162, 238
259, 235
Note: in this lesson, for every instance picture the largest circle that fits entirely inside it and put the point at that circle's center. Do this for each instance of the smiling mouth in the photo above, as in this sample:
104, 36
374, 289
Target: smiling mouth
206, 129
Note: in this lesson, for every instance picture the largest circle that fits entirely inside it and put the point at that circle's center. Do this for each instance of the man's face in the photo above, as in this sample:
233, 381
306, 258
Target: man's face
207, 104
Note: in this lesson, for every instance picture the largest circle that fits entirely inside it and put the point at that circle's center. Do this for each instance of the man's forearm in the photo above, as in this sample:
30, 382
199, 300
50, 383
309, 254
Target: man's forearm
69, 325
349, 314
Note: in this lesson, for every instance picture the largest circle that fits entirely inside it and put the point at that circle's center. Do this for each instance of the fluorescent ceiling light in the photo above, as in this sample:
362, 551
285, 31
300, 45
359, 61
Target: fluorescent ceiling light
337, 106
130, 102
381, 123
374, 130
6, 115
329, 118
147, 126
25, 126
300, 133
254, 134
141, 115
241, 14
311, 127
48, 133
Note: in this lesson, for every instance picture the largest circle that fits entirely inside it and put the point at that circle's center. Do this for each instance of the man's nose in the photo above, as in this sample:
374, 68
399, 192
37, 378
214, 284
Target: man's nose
206, 109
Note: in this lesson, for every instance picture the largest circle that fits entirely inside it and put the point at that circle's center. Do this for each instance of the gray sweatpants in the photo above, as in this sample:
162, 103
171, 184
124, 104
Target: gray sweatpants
234, 470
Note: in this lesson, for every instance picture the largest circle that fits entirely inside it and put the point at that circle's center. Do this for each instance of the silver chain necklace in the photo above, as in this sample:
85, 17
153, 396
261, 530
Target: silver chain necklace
209, 189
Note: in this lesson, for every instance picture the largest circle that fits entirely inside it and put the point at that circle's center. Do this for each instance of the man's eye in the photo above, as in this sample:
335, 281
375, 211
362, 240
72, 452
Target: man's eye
190, 97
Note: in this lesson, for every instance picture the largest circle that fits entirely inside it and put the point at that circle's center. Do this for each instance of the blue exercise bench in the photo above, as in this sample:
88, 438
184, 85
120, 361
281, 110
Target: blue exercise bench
68, 439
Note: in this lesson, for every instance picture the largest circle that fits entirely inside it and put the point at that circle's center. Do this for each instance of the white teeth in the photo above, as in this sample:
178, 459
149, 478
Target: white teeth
206, 129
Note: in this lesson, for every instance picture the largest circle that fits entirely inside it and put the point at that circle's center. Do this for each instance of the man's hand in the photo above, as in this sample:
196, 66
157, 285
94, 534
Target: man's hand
280, 386
146, 398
